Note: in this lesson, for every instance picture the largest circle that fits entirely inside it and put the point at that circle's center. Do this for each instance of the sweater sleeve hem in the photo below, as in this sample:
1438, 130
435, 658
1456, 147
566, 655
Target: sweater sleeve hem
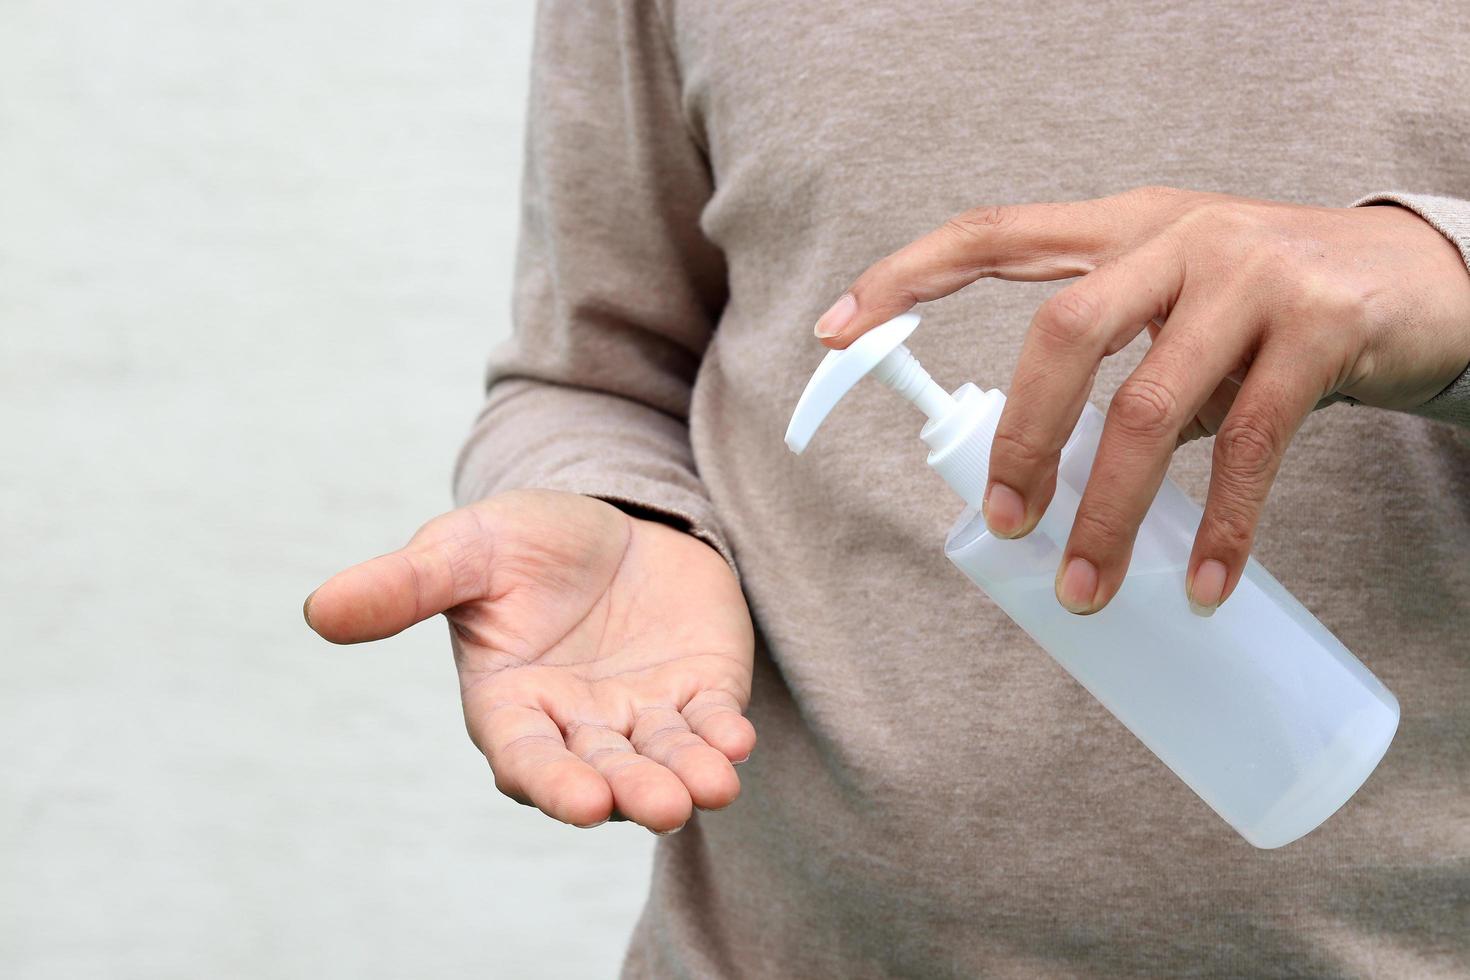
550, 437
649, 499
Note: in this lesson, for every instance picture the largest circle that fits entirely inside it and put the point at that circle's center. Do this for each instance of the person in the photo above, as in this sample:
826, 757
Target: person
640, 578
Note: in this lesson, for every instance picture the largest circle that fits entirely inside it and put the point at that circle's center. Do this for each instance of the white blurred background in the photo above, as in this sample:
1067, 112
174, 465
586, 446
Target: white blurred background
252, 257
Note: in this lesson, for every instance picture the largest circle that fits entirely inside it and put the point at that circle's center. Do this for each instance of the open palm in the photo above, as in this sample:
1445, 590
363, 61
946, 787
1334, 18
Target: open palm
604, 661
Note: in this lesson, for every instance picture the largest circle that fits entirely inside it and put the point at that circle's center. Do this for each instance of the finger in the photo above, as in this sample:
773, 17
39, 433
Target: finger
1069, 336
1029, 242
1207, 335
531, 761
386, 595
643, 790
1206, 421
662, 734
1024, 242
715, 716
1283, 386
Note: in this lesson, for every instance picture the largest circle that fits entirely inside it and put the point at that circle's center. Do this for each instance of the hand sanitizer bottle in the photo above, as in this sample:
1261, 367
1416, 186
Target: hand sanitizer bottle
1258, 708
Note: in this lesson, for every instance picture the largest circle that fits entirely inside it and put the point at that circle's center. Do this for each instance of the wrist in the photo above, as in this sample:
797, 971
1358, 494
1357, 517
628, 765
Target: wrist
1419, 319
679, 522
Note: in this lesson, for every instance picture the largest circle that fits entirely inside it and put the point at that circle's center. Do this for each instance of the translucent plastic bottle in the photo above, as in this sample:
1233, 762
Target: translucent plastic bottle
1258, 708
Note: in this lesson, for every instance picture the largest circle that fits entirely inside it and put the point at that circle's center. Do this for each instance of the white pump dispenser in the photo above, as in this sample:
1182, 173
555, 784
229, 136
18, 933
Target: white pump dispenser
1259, 708
960, 425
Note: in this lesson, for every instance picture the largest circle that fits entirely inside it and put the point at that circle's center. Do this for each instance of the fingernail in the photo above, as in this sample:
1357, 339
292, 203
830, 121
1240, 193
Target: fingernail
1208, 587
1004, 510
1077, 586
306, 609
741, 762
589, 826
835, 319
669, 833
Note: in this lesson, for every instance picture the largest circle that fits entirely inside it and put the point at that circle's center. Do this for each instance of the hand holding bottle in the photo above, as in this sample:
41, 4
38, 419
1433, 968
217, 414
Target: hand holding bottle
1260, 312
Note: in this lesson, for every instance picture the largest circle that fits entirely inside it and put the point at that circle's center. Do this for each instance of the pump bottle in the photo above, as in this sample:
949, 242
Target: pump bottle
1258, 708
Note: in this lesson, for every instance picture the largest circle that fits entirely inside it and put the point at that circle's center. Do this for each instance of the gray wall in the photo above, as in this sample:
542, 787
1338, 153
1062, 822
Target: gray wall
252, 256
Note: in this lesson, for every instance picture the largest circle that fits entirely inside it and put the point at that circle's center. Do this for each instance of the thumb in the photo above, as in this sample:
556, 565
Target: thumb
386, 595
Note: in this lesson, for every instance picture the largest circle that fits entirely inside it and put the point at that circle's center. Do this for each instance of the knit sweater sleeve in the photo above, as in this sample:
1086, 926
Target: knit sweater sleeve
1451, 217
616, 291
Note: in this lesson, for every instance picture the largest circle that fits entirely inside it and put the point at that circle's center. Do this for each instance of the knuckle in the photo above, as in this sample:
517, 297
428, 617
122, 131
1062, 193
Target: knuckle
1213, 211
664, 734
630, 763
444, 527
1015, 449
982, 220
1245, 447
452, 542
1145, 408
1230, 527
1099, 526
467, 573
1329, 302
598, 756
1216, 223
1158, 204
1070, 318
883, 284
530, 741
1269, 257
698, 713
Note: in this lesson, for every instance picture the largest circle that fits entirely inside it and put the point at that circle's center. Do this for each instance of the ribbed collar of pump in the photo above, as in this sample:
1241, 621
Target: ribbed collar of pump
959, 442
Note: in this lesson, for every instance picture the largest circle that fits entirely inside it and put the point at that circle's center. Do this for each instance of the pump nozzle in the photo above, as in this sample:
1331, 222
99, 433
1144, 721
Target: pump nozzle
879, 352
960, 427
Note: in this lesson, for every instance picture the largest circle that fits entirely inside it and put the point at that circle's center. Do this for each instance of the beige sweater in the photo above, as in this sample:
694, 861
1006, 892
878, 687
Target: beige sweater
932, 795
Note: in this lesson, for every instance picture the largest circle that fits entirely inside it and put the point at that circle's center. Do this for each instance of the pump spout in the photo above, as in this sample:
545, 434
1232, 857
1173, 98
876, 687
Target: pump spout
880, 352
961, 426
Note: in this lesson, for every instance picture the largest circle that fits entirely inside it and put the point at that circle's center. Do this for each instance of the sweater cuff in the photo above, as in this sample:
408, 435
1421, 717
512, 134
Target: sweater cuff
1451, 218
550, 437
649, 500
